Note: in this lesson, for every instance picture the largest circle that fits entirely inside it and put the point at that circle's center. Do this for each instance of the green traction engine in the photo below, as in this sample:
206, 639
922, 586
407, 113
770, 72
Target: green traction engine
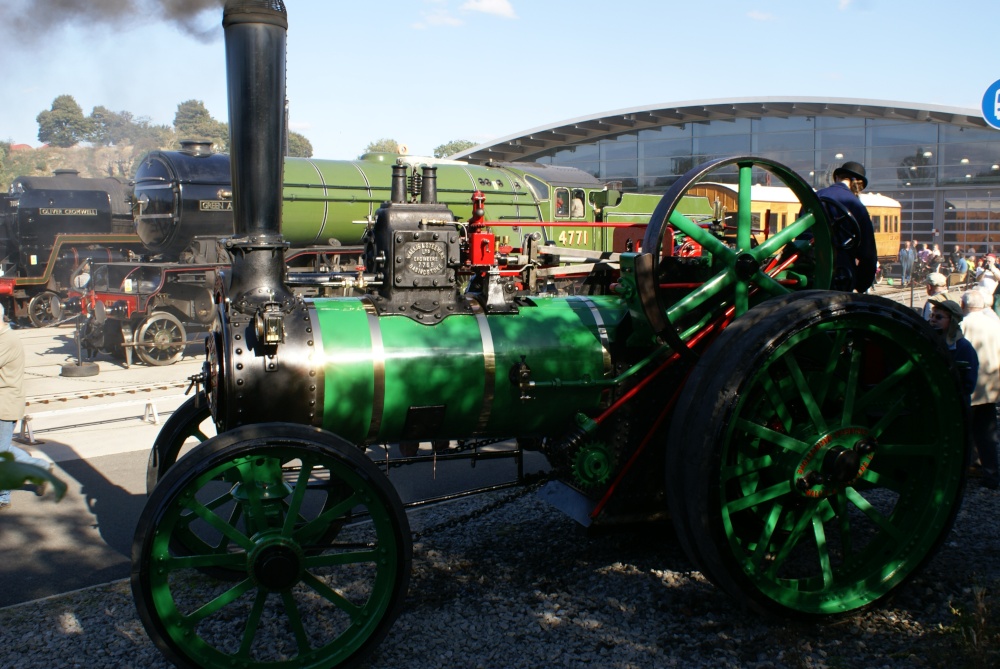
808, 446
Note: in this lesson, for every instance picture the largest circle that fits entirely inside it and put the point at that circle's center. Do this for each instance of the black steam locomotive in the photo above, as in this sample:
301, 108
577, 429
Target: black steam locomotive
49, 226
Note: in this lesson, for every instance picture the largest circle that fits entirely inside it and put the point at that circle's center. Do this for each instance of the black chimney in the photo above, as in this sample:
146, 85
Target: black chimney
255, 33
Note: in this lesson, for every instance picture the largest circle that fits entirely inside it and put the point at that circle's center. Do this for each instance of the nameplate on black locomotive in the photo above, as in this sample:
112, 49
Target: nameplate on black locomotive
215, 205
50, 211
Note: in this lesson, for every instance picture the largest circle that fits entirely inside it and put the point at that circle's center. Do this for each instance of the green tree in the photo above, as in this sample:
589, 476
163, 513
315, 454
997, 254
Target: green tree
384, 145
192, 121
452, 147
299, 146
109, 128
64, 125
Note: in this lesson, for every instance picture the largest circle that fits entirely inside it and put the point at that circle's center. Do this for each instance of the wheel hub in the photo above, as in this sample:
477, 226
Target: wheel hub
837, 460
746, 266
276, 564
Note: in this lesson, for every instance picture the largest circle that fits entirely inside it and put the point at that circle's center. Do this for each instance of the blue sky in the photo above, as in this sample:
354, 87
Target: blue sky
425, 72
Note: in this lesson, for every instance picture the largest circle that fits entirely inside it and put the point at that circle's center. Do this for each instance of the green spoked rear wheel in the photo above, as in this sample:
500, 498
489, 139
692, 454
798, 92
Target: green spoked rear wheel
817, 458
302, 598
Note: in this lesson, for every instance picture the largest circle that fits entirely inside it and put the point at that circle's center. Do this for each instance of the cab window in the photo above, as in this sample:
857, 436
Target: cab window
562, 202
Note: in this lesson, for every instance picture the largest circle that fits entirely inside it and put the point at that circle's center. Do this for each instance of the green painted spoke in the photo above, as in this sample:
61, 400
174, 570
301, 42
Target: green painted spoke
295, 620
224, 599
742, 301
881, 480
897, 383
780, 408
823, 551
227, 530
759, 497
744, 217
793, 538
298, 495
824, 380
892, 413
839, 503
769, 284
253, 622
315, 527
332, 596
207, 560
805, 392
851, 391
746, 467
783, 237
696, 297
764, 540
355, 557
872, 513
785, 441
706, 239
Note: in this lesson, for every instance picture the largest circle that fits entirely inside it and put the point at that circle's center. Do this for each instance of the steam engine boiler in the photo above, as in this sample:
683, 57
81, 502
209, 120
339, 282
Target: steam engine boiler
808, 445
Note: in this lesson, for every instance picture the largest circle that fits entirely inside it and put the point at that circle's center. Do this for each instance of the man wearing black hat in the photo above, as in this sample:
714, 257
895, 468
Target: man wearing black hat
854, 268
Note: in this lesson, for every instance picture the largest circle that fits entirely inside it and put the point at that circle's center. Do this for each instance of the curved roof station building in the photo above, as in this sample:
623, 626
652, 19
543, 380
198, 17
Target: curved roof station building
941, 163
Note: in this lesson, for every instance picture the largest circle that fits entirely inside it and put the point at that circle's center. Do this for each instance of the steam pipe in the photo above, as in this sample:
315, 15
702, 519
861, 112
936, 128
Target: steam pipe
398, 189
429, 193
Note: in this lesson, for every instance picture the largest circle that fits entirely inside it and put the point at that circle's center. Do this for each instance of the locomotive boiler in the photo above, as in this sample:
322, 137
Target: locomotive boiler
186, 195
809, 446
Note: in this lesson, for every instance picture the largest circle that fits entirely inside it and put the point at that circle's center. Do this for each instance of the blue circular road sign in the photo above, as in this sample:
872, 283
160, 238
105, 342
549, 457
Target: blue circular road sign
991, 105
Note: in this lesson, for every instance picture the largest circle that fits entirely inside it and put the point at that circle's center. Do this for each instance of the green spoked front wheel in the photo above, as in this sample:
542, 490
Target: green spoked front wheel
301, 598
188, 427
817, 457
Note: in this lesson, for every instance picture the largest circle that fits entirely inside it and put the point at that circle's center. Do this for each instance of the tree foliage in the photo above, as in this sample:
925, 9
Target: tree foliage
299, 146
64, 125
193, 121
452, 147
384, 145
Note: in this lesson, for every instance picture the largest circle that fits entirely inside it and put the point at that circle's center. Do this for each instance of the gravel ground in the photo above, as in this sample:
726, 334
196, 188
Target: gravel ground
523, 587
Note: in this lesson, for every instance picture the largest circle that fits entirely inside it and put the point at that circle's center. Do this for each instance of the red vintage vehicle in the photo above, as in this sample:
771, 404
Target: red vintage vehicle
155, 310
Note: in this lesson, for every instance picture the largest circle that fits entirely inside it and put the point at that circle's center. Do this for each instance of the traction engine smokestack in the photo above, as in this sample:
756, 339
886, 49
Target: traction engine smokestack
255, 33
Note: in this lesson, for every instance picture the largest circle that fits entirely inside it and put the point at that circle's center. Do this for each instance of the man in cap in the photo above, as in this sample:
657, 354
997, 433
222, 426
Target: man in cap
937, 290
854, 267
946, 318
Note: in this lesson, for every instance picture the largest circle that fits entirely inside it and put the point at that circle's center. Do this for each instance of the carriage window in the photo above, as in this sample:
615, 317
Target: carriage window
877, 223
562, 202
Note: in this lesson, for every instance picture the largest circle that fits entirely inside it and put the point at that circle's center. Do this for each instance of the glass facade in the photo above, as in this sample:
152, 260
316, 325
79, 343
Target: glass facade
946, 177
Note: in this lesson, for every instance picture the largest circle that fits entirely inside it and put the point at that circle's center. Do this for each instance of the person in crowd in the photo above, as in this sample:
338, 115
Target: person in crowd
906, 259
924, 254
981, 328
946, 318
959, 270
854, 270
12, 401
935, 259
937, 290
987, 277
